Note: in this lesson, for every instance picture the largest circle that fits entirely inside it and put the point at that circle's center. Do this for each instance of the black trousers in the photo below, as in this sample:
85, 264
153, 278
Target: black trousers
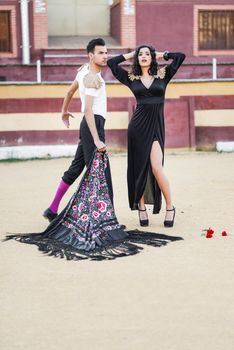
84, 153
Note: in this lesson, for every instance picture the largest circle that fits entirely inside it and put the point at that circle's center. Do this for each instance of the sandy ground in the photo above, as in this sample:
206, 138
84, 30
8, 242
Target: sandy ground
176, 297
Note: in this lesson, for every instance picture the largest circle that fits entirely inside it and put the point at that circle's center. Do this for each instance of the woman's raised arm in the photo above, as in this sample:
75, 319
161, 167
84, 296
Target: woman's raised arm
120, 73
178, 58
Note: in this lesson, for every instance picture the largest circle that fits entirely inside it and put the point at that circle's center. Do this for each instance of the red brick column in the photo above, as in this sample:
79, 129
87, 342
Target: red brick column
40, 20
128, 23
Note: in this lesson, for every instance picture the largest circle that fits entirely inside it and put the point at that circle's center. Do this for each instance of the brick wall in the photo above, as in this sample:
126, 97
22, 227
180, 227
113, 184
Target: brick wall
173, 25
115, 21
40, 24
128, 23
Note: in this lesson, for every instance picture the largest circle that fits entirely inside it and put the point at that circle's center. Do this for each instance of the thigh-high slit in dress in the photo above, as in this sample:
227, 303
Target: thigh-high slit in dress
145, 127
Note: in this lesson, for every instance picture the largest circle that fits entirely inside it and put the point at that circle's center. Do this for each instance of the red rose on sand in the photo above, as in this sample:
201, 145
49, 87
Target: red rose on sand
101, 206
209, 233
224, 233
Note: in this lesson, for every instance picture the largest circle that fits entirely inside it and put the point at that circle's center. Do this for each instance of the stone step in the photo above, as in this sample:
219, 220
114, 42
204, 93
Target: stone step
78, 56
80, 41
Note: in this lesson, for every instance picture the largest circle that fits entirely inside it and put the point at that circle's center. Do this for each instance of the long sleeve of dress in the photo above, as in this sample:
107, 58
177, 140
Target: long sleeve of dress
119, 73
172, 68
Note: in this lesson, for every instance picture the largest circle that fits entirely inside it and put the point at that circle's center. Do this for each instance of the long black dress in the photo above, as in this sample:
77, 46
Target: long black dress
145, 127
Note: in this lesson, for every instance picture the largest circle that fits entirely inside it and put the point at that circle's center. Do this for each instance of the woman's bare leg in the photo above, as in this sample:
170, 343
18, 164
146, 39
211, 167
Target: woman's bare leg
156, 157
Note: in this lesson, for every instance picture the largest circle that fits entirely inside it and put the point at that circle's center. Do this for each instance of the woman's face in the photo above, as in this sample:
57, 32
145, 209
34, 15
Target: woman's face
144, 57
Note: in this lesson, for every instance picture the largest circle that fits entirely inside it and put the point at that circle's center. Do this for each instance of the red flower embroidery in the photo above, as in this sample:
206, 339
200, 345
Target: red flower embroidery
101, 206
84, 217
224, 233
95, 164
95, 214
80, 206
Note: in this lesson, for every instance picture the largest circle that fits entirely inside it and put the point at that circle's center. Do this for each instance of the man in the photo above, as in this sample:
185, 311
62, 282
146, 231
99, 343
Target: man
92, 136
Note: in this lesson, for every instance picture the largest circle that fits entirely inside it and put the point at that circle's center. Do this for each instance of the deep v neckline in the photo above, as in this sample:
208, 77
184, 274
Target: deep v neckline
147, 88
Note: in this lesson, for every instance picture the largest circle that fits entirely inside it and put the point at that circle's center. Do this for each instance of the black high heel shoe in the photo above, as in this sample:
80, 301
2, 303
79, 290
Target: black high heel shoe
170, 223
144, 222
49, 214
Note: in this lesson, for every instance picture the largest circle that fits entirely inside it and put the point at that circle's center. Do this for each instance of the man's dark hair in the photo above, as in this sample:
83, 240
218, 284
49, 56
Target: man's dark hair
95, 42
136, 68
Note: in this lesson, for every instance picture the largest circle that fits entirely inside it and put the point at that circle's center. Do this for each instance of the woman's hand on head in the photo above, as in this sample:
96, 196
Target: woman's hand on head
129, 55
159, 54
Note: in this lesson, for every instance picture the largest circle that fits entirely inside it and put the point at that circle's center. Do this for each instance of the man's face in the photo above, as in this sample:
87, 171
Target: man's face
99, 57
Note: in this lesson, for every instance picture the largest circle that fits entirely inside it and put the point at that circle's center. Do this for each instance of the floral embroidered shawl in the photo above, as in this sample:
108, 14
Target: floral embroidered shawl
88, 227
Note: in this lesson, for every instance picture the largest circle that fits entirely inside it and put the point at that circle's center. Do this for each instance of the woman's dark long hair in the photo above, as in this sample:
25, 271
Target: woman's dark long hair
136, 68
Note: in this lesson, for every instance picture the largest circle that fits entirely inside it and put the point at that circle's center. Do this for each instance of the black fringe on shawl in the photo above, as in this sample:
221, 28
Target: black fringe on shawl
59, 240
129, 246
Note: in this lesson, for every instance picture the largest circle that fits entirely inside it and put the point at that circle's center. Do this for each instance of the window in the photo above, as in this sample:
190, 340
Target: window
215, 29
5, 32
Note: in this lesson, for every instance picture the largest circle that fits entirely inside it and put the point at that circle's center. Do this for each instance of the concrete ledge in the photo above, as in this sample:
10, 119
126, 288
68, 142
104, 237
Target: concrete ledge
227, 146
29, 152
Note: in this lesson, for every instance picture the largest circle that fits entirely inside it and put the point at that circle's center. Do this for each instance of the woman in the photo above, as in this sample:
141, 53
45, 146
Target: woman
146, 134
